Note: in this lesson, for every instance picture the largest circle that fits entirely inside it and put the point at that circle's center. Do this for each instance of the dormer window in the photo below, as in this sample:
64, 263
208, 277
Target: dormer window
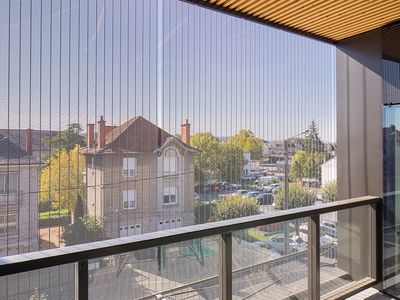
170, 161
129, 166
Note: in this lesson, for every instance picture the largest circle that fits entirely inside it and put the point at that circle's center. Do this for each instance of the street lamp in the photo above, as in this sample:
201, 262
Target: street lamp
286, 198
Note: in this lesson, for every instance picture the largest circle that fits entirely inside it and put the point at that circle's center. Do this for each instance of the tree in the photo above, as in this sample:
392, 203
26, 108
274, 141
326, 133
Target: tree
68, 138
307, 165
329, 192
61, 181
234, 207
299, 196
231, 163
206, 161
85, 230
248, 142
312, 142
298, 167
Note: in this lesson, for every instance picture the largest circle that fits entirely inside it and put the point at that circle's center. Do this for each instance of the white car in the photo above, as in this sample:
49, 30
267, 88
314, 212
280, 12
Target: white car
324, 239
296, 244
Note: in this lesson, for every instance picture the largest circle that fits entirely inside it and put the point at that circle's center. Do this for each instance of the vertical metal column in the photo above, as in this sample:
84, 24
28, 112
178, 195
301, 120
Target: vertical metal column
225, 265
286, 199
313, 258
81, 280
377, 244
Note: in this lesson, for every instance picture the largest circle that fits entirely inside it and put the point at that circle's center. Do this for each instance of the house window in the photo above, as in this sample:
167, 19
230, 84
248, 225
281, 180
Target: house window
129, 166
170, 195
129, 199
8, 222
170, 161
8, 182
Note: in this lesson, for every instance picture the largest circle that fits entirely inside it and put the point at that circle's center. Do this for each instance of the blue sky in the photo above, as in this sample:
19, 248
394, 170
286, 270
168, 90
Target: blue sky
221, 72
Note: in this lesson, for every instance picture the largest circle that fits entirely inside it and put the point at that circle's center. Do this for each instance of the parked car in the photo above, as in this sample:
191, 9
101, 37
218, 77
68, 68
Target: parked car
252, 194
241, 192
329, 227
223, 185
296, 244
324, 238
271, 187
264, 199
276, 189
248, 178
259, 244
264, 180
236, 186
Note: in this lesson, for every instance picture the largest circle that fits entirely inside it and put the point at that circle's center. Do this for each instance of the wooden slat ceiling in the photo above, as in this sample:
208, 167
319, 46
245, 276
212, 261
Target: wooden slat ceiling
331, 20
391, 42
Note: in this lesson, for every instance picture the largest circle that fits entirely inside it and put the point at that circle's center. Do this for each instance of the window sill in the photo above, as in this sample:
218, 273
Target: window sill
130, 176
170, 204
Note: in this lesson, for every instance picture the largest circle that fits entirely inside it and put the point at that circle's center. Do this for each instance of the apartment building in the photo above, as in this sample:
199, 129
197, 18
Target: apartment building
19, 182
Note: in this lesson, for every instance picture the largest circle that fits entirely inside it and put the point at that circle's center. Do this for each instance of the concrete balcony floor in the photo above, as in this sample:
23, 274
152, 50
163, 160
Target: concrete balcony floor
370, 294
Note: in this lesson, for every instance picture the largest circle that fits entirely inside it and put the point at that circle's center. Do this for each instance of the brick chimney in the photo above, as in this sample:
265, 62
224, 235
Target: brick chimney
185, 132
29, 148
101, 131
90, 136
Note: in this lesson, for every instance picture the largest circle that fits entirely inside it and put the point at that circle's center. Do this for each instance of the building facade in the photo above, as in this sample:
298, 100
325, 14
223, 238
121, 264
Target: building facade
139, 177
19, 187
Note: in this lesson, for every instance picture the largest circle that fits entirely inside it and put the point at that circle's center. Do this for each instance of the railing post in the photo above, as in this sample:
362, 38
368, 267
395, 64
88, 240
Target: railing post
377, 244
81, 280
313, 258
225, 265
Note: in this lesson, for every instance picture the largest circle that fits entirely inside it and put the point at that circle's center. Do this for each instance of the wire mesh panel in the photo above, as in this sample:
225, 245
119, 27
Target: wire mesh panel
271, 262
187, 270
126, 117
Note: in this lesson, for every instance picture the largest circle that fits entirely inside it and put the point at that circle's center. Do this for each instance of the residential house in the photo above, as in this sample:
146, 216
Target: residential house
139, 177
20, 160
329, 171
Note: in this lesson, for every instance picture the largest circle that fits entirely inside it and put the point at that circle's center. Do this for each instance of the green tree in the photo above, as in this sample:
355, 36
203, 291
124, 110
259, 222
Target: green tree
329, 192
299, 196
230, 163
206, 161
61, 181
248, 142
312, 142
68, 138
307, 165
85, 230
234, 207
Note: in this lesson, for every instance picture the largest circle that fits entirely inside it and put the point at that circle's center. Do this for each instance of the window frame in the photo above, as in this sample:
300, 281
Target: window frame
129, 172
7, 188
5, 220
166, 157
125, 196
169, 195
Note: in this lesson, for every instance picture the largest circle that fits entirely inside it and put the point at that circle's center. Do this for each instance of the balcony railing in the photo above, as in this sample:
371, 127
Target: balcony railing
80, 255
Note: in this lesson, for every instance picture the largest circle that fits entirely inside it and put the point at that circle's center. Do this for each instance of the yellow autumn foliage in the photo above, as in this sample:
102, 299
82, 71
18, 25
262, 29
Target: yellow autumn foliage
61, 181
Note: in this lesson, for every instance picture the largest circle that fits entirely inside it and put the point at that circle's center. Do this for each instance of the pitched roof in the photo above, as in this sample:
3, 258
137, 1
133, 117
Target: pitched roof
136, 135
13, 145
18, 137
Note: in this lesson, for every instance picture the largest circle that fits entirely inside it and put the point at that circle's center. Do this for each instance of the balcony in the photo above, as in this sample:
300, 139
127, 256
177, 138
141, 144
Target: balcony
224, 268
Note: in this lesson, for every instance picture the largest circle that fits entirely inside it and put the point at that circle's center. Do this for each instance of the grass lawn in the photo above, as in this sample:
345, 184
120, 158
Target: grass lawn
259, 235
53, 214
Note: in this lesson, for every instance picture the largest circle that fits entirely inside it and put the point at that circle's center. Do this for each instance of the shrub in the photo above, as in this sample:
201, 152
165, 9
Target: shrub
234, 207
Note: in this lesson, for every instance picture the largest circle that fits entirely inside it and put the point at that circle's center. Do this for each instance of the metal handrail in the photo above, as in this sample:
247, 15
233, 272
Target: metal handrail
82, 253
